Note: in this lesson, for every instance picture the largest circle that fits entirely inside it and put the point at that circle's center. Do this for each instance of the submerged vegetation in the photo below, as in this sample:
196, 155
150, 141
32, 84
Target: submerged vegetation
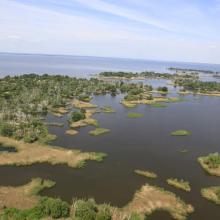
180, 184
135, 115
180, 133
146, 173
211, 163
99, 131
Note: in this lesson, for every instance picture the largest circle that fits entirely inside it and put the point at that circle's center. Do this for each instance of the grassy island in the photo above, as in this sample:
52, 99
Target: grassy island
180, 133
180, 184
135, 115
211, 163
107, 109
99, 131
71, 132
146, 173
212, 194
28, 154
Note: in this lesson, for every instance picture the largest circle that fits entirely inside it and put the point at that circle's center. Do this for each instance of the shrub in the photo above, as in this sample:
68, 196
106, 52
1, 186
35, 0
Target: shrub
104, 213
77, 115
213, 160
6, 129
85, 210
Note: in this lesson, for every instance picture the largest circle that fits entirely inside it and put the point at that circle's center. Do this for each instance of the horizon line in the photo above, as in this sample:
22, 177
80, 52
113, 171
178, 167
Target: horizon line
106, 57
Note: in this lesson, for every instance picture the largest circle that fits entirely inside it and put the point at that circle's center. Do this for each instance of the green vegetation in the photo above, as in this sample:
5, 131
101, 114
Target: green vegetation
21, 113
89, 210
146, 173
134, 115
158, 105
211, 163
180, 133
55, 208
199, 86
163, 89
180, 184
99, 131
148, 74
77, 115
212, 194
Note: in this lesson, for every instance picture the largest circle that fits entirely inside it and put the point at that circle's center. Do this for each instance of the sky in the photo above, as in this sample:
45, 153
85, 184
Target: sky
175, 30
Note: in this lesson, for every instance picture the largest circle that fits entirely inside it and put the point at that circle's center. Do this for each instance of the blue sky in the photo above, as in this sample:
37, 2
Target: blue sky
181, 30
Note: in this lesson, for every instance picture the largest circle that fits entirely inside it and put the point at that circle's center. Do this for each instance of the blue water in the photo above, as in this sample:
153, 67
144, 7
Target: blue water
81, 66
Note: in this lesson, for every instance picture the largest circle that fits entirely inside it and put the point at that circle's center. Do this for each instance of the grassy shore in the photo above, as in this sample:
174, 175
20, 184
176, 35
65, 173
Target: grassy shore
212, 194
146, 173
23, 197
180, 184
99, 131
28, 154
134, 115
211, 163
180, 133
107, 109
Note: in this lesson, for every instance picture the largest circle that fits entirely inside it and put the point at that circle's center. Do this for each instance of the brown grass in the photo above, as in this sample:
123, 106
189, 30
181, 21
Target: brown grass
37, 153
212, 194
211, 171
23, 197
150, 199
71, 132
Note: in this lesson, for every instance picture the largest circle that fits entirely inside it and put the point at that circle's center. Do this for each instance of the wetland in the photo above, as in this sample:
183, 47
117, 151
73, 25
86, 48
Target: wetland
140, 144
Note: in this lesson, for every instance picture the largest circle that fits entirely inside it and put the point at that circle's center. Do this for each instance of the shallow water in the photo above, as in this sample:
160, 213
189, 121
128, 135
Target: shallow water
143, 143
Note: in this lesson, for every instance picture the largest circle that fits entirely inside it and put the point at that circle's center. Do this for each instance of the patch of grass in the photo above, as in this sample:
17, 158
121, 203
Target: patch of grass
134, 115
40, 184
99, 131
212, 194
31, 153
180, 184
146, 173
180, 133
107, 109
211, 163
158, 105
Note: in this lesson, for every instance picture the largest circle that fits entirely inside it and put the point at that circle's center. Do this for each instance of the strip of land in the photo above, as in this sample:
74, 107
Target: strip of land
146, 173
28, 154
180, 184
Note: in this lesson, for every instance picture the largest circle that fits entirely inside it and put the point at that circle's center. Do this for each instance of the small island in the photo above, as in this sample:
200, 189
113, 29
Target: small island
180, 184
180, 133
134, 115
99, 131
146, 173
